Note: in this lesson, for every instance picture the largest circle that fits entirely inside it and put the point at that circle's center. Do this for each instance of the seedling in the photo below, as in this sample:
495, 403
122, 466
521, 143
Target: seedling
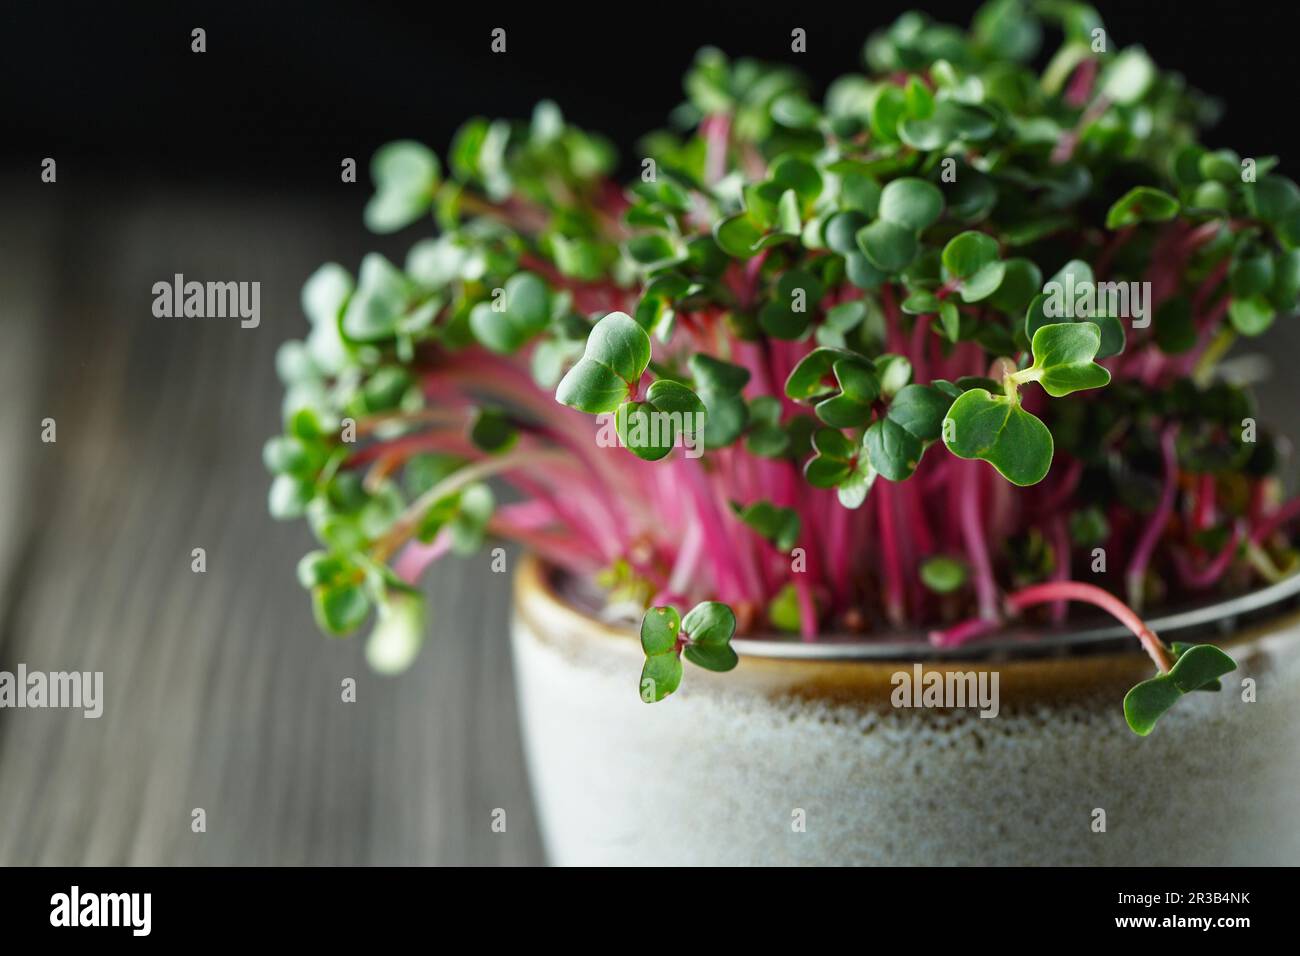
856, 308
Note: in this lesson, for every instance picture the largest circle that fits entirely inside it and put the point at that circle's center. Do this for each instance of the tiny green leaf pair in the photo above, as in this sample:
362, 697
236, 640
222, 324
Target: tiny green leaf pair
840, 384
1196, 667
703, 637
523, 312
996, 429
907, 206
607, 375
896, 441
972, 258
841, 465
405, 175
1073, 294
650, 429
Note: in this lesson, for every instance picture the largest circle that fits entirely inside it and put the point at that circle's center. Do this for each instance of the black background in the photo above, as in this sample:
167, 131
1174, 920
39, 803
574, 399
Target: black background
286, 89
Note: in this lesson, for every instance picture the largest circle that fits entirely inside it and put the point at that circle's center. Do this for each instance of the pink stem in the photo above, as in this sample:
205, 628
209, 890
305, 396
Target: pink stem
1207, 577
1091, 594
1061, 546
986, 591
1135, 575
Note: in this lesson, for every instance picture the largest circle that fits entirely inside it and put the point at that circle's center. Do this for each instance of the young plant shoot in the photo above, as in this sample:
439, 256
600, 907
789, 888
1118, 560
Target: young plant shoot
936, 352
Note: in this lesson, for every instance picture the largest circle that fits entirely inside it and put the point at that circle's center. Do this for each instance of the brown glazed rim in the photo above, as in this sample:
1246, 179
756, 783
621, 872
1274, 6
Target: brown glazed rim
1031, 665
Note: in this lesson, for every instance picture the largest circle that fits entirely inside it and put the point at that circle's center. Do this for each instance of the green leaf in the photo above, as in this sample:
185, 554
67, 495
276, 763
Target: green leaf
709, 622
838, 465
1251, 274
767, 438
1198, 666
660, 676
526, 313
492, 431
617, 353
1141, 204
911, 203
852, 491
994, 428
650, 250
1021, 282
714, 375
943, 575
861, 193
950, 320
1145, 703
678, 401
375, 310
1128, 77
983, 283
892, 450
1273, 198
924, 134
340, 608
920, 410
807, 380
474, 508
650, 429
794, 110
712, 657
797, 173
405, 174
778, 525
1063, 358
288, 498
842, 230
325, 293
321, 567
783, 610
738, 236
642, 432
921, 302
1251, 316
894, 372
968, 253
719, 384
888, 245
398, 632
660, 627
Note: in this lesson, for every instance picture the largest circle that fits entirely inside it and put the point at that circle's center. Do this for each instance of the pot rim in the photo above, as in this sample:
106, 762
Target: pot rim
1215, 621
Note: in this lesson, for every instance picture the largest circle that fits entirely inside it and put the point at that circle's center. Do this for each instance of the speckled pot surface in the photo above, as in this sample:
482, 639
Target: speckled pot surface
797, 760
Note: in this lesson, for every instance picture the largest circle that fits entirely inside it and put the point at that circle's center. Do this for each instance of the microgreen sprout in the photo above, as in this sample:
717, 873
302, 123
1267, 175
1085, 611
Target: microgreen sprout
947, 339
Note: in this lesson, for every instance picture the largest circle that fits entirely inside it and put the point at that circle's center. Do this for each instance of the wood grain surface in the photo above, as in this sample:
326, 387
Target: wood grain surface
219, 692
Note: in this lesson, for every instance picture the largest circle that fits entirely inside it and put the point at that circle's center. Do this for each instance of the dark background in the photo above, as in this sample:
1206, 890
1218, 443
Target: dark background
219, 692
285, 89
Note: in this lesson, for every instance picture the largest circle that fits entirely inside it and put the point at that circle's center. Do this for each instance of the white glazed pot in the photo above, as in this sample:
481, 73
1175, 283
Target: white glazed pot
797, 760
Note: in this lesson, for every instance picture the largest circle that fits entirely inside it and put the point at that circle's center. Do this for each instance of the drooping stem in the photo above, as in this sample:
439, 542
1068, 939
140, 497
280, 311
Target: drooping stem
1091, 594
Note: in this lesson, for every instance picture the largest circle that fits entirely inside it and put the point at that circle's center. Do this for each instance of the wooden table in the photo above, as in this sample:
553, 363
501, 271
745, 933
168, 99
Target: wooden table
219, 691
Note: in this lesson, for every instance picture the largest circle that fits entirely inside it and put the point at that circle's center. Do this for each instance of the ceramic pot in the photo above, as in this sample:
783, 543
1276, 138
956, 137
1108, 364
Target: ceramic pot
801, 756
